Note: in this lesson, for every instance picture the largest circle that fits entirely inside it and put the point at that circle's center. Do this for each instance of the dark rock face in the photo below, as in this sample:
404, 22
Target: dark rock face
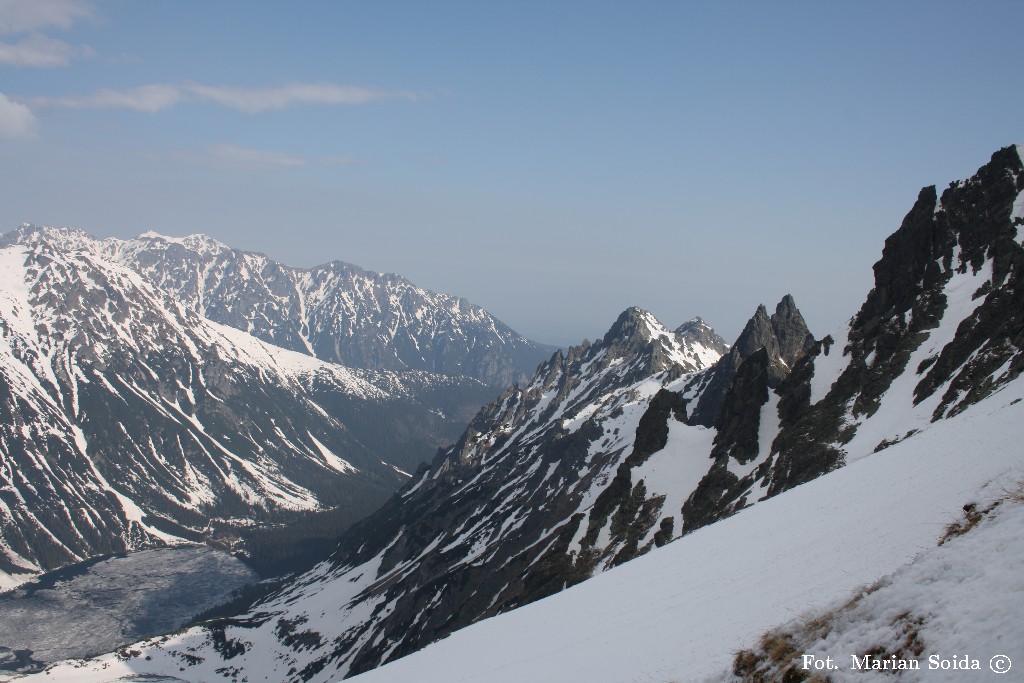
738, 422
757, 364
790, 330
994, 334
785, 338
635, 514
783, 335
971, 227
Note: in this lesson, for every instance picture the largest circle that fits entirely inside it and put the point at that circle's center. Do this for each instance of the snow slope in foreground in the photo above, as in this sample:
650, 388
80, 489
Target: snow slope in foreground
682, 612
937, 619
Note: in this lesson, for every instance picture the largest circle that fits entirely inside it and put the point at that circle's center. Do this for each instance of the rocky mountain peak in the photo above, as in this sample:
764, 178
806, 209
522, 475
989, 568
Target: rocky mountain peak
756, 333
920, 255
29, 234
650, 347
634, 335
783, 334
946, 311
632, 323
790, 330
694, 323
196, 242
635, 347
698, 331
784, 337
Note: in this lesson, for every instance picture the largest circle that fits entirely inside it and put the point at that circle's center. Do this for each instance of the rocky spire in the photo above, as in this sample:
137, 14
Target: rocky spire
784, 337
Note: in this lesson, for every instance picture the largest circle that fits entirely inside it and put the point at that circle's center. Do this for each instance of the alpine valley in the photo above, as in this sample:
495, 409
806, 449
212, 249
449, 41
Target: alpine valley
159, 390
643, 507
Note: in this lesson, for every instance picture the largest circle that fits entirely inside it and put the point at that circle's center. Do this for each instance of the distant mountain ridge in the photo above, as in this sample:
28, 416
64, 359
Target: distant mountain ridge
336, 312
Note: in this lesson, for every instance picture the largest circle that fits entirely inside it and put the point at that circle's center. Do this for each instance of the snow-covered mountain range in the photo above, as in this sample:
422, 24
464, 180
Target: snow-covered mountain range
130, 419
619, 447
336, 312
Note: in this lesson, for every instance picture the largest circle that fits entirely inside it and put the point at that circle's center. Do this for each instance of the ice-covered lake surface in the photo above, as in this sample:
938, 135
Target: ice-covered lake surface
98, 606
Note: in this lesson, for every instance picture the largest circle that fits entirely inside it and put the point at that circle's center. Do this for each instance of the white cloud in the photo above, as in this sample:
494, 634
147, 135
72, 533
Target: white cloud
256, 158
155, 97
147, 98
257, 100
37, 50
20, 16
16, 120
40, 51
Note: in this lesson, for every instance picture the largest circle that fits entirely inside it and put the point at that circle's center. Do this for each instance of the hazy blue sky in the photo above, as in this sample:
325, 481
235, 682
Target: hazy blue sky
554, 162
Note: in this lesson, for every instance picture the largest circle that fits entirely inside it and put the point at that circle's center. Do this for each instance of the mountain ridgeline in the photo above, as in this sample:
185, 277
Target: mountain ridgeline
616, 447
336, 312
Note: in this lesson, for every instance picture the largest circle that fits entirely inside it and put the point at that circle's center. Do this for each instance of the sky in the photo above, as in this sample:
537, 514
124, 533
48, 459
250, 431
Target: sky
553, 162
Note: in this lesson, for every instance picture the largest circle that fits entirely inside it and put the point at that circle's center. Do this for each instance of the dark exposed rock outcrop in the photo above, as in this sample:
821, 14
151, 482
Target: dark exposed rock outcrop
783, 335
970, 228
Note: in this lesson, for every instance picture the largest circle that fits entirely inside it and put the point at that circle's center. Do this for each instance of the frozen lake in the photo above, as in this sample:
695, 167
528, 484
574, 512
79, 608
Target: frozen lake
99, 606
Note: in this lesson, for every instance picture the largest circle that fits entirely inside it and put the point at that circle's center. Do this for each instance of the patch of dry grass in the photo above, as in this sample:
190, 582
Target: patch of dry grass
777, 658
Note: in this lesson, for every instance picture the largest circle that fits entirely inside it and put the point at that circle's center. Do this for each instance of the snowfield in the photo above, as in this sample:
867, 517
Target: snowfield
681, 612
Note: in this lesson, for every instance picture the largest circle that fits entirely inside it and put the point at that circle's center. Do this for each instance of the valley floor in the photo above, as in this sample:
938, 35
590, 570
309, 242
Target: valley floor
98, 606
